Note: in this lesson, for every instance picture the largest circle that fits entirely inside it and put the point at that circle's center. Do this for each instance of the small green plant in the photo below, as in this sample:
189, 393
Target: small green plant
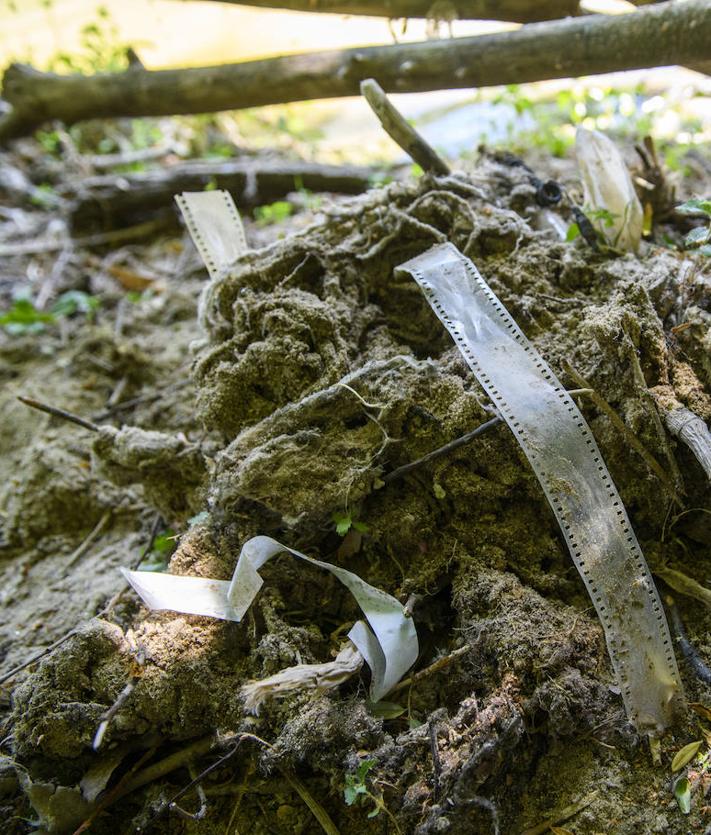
24, 318
100, 48
344, 522
159, 555
273, 212
700, 237
607, 218
356, 786
357, 789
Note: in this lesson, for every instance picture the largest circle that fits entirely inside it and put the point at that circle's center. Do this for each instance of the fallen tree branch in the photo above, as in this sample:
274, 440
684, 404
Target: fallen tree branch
114, 201
517, 11
668, 33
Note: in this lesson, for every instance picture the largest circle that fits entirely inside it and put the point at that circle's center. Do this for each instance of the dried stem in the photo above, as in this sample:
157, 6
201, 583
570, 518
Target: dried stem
60, 413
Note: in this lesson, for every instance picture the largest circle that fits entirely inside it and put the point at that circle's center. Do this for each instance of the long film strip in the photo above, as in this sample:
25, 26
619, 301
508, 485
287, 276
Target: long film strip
565, 457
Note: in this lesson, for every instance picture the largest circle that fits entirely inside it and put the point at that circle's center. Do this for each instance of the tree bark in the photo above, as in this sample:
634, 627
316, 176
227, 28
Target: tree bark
668, 33
516, 11
108, 202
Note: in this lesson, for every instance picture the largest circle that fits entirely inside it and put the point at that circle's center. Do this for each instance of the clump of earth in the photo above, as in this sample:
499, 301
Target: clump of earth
275, 400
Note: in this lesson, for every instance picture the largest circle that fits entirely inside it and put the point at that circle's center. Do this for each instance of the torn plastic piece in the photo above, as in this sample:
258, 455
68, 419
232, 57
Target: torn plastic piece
563, 453
609, 190
390, 648
318, 677
215, 227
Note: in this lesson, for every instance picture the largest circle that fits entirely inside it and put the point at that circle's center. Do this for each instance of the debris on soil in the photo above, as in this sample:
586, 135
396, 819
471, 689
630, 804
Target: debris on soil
314, 373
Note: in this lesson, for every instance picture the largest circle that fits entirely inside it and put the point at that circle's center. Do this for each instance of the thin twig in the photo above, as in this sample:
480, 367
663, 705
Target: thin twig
125, 405
438, 665
115, 236
455, 444
90, 539
627, 433
443, 450
683, 584
688, 650
115, 793
60, 413
111, 712
109, 606
316, 809
202, 797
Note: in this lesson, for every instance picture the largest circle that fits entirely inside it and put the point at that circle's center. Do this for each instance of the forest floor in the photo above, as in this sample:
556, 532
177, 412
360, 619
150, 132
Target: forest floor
524, 729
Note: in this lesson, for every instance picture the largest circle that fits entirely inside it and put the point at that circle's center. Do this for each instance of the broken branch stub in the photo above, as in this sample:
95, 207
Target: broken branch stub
398, 129
564, 456
693, 431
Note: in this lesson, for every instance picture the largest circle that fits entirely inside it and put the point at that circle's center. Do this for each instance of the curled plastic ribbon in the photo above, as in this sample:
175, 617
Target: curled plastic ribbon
388, 642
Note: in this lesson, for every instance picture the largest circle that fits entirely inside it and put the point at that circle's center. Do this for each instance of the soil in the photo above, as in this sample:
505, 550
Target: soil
251, 433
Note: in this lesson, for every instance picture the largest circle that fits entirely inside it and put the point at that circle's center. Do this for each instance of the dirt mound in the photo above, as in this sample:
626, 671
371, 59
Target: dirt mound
316, 375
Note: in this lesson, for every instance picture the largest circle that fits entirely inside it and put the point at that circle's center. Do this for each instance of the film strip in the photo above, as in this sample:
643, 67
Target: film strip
215, 227
565, 457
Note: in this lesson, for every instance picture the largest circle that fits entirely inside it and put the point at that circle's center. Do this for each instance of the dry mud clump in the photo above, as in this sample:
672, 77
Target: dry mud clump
319, 372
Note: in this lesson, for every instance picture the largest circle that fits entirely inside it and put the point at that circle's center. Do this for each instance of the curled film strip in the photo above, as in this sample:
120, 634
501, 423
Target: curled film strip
215, 227
564, 455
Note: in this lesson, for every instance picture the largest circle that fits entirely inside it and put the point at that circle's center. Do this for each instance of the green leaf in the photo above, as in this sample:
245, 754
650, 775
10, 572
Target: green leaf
23, 317
385, 710
682, 793
374, 812
686, 755
697, 236
704, 250
273, 212
439, 491
695, 207
164, 542
573, 232
343, 522
361, 527
75, 301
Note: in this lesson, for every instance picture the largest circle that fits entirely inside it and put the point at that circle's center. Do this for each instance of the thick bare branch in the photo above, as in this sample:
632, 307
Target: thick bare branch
517, 11
668, 33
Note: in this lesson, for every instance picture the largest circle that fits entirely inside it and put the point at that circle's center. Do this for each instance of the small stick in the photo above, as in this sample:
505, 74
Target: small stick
455, 444
90, 539
626, 432
111, 712
202, 797
100, 239
401, 131
443, 450
316, 809
688, 650
124, 405
115, 793
438, 665
109, 606
60, 413
683, 584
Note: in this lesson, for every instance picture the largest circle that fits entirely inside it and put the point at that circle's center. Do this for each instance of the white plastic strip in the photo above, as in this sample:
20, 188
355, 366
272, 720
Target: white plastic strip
215, 227
390, 648
563, 453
